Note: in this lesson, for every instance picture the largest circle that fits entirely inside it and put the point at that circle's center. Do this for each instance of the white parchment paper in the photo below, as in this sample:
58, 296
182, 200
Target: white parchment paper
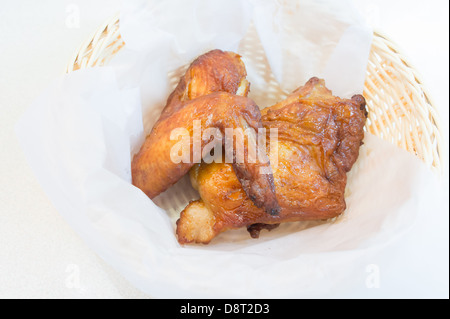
80, 134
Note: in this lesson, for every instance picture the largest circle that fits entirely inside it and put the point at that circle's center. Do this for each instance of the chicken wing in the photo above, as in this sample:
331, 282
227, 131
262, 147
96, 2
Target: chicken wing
212, 92
319, 136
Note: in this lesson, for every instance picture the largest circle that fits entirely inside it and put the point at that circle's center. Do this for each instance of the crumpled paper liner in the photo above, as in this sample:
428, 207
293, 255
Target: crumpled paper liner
80, 134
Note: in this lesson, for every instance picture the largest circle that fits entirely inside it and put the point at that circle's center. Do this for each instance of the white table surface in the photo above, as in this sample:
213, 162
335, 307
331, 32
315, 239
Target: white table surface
40, 255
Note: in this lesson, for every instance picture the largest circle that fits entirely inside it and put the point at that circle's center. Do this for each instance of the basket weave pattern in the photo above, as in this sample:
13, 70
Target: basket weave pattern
400, 110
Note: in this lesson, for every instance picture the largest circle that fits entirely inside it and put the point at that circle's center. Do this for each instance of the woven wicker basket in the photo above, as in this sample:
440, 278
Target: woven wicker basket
400, 110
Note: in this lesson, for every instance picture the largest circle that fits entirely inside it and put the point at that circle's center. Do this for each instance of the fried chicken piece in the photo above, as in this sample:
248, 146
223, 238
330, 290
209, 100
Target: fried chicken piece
213, 91
319, 136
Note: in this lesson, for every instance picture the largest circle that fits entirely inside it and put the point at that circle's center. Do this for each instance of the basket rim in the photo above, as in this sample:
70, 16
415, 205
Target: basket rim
436, 118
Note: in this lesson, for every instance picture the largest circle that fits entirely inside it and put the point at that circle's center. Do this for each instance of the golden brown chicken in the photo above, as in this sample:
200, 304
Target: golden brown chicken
212, 92
319, 136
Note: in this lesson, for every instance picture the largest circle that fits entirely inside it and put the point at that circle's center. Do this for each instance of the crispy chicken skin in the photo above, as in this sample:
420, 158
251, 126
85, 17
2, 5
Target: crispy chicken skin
319, 136
215, 71
213, 91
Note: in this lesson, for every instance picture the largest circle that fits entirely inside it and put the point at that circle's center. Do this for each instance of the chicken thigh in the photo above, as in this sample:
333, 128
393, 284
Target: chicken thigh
319, 136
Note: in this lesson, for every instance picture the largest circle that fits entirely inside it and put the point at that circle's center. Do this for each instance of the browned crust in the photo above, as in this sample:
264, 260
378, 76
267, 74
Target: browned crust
214, 71
255, 229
